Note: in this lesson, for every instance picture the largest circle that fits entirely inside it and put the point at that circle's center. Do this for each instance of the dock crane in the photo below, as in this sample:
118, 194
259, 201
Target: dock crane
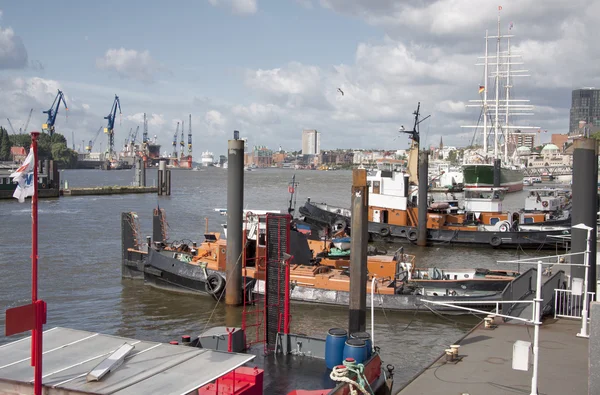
134, 135
182, 141
21, 129
145, 133
53, 112
109, 130
89, 147
190, 136
175, 141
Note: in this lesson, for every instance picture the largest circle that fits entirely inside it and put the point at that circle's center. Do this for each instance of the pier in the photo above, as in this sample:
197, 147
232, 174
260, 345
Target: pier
107, 190
484, 364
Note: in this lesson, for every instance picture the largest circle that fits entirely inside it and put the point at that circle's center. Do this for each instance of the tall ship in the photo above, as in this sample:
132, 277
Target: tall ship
207, 159
494, 126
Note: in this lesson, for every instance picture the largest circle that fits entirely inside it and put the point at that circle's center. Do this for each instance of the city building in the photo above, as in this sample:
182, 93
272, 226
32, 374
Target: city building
560, 140
585, 111
262, 156
311, 142
523, 139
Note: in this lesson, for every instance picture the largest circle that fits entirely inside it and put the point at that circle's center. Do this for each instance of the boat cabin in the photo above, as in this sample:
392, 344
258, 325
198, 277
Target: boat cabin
546, 199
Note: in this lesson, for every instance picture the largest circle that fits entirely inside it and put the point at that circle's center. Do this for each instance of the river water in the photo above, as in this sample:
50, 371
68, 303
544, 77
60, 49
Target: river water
80, 273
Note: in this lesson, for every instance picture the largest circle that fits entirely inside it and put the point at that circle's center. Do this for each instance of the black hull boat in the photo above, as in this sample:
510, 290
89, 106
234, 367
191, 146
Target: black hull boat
336, 220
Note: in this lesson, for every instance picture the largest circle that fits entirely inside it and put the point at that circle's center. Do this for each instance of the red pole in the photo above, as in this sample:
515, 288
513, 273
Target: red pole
286, 303
36, 336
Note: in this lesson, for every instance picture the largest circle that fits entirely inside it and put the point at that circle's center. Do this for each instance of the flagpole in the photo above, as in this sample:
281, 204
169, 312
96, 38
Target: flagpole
36, 342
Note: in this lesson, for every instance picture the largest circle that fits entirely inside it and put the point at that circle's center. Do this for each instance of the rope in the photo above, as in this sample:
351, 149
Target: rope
340, 373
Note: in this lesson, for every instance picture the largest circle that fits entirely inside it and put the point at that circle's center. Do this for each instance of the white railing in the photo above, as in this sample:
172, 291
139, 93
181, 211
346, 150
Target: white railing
568, 305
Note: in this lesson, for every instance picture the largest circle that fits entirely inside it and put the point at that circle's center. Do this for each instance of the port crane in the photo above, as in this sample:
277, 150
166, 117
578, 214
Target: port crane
145, 133
91, 143
182, 141
190, 136
134, 135
24, 128
109, 130
52, 112
175, 141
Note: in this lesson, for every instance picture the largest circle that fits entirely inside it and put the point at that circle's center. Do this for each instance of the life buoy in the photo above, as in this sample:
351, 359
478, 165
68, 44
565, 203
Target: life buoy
504, 227
384, 232
412, 235
545, 203
43, 185
495, 241
215, 284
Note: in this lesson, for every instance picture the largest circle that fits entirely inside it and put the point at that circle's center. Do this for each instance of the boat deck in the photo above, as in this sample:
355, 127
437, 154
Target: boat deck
486, 364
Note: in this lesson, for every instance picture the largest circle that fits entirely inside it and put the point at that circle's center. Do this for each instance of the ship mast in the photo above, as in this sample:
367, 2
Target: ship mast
485, 107
506, 129
497, 80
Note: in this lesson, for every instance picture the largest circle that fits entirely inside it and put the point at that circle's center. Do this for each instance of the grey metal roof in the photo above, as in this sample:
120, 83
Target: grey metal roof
151, 368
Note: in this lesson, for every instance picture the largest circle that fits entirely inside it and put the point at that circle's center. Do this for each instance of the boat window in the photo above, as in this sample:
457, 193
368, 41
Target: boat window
262, 239
528, 220
494, 221
376, 186
1, 181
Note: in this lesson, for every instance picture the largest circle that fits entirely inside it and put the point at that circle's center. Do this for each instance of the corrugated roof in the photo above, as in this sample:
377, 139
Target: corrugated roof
151, 368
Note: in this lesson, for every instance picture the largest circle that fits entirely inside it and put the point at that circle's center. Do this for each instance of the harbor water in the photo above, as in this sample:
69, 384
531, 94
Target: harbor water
80, 262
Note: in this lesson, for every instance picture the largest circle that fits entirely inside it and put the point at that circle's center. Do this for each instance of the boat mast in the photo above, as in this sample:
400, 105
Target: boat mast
506, 128
497, 80
485, 109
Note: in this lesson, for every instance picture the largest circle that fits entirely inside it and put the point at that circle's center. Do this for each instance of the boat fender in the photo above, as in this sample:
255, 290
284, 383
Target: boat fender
504, 227
384, 232
339, 225
215, 284
412, 235
495, 241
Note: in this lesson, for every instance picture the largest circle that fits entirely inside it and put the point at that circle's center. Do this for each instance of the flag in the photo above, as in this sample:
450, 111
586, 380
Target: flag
23, 176
481, 88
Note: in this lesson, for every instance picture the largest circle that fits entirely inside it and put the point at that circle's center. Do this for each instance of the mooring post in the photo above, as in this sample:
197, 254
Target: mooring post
497, 166
162, 168
585, 201
422, 202
358, 251
235, 208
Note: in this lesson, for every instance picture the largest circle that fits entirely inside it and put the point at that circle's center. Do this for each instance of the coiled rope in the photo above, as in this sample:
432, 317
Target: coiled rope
341, 373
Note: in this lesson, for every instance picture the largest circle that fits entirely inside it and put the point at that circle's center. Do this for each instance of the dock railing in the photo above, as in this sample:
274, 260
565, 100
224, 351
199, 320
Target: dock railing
568, 304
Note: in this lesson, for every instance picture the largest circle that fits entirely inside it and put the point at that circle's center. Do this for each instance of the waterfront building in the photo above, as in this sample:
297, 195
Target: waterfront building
311, 142
585, 111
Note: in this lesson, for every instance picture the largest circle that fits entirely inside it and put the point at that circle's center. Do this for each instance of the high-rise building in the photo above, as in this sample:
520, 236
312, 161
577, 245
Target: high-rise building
523, 139
585, 109
311, 142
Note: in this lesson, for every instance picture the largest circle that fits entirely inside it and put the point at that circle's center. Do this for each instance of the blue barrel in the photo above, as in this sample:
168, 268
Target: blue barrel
366, 336
334, 347
357, 349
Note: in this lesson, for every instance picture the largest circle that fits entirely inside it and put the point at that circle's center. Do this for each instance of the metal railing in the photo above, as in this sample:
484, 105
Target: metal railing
568, 305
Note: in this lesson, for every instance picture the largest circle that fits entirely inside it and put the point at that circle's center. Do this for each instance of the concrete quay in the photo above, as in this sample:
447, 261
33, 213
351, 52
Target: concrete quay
484, 364
107, 190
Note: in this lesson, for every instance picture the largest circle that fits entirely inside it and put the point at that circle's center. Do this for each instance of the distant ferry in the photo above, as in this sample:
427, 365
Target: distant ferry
207, 159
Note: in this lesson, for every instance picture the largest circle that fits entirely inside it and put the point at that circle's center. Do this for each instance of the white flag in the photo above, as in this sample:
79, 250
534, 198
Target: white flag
24, 177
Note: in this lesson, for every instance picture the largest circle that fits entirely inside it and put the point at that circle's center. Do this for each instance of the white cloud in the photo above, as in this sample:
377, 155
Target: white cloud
258, 114
157, 120
129, 63
13, 54
243, 7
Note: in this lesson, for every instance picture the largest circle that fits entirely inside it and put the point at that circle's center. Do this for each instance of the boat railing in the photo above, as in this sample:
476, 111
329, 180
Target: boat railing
568, 304
518, 289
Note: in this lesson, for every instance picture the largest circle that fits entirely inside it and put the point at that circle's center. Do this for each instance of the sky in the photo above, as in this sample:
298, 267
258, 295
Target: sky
271, 68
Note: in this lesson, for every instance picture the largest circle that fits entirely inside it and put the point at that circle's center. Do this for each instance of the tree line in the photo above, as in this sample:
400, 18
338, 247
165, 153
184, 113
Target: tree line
49, 147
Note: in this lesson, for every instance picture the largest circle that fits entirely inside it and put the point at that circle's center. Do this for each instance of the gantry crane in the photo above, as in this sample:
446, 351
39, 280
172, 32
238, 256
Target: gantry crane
175, 141
109, 130
190, 136
52, 112
89, 147
182, 141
